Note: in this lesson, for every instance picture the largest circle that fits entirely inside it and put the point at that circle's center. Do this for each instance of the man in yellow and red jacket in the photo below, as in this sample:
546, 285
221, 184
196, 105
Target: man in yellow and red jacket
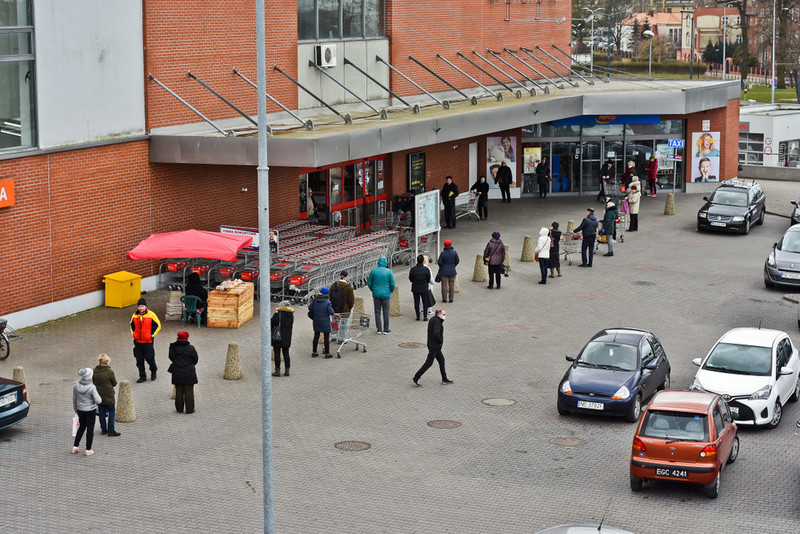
144, 327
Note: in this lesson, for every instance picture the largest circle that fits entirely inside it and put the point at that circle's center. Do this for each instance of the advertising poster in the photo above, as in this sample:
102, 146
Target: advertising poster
531, 156
427, 206
416, 172
500, 149
705, 156
665, 155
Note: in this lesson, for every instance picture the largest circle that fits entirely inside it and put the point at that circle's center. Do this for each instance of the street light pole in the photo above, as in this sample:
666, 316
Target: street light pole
724, 39
649, 34
691, 49
773, 81
591, 47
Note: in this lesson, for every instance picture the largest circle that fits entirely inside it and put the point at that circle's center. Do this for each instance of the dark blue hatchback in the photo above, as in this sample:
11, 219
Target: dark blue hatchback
13, 402
614, 374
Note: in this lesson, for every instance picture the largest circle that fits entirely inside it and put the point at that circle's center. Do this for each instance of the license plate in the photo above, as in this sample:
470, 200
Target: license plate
793, 276
719, 224
591, 405
8, 399
734, 410
671, 473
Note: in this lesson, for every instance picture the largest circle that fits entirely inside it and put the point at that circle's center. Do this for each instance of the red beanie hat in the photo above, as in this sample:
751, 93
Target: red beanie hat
183, 335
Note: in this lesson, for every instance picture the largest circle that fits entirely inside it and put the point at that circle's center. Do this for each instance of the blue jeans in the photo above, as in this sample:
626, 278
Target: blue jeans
381, 308
110, 411
543, 268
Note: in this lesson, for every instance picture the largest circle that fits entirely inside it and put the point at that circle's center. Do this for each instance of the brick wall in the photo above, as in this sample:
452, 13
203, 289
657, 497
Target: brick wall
725, 121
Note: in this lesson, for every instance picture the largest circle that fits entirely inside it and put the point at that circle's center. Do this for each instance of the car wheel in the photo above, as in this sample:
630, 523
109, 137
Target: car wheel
746, 226
636, 483
712, 490
635, 411
699, 229
665, 385
796, 395
772, 284
777, 413
761, 219
734, 450
561, 411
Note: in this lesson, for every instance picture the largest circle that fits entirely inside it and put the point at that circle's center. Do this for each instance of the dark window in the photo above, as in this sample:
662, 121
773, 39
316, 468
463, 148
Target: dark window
306, 20
339, 19
718, 422
648, 356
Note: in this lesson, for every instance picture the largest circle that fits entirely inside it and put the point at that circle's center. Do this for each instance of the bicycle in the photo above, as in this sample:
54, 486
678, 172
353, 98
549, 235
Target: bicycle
7, 335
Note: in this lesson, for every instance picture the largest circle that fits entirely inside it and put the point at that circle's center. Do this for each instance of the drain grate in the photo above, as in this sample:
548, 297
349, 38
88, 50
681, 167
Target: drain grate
499, 402
412, 345
444, 424
567, 442
352, 445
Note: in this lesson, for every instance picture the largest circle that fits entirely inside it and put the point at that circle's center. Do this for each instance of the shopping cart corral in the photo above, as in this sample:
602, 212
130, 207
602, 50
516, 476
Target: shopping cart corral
347, 328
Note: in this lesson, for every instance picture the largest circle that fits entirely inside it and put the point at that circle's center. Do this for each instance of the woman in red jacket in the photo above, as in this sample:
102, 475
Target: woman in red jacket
652, 170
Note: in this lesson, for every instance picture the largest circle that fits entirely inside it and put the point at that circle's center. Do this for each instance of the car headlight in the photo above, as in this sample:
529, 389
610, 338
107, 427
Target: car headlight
622, 393
762, 393
737, 219
566, 389
696, 385
702, 214
771, 260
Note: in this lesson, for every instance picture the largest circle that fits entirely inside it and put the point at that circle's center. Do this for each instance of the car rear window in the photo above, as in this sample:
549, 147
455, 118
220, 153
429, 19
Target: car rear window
740, 360
680, 426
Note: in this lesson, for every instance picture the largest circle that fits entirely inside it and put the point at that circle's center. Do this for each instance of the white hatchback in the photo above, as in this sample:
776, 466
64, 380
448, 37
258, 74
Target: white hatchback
755, 370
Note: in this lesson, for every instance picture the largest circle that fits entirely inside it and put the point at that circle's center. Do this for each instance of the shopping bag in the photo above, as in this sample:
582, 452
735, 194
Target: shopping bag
75, 424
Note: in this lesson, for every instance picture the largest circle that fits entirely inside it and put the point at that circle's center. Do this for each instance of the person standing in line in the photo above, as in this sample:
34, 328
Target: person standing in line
426, 260
341, 294
633, 205
420, 277
449, 195
652, 174
447, 262
542, 175
184, 375
381, 282
320, 311
283, 316
85, 399
554, 263
606, 175
144, 327
435, 343
105, 381
494, 255
610, 225
503, 179
588, 229
543, 250
629, 174
481, 189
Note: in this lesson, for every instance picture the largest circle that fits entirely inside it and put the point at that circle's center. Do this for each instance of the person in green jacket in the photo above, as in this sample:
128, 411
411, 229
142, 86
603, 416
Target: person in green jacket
381, 283
105, 381
609, 225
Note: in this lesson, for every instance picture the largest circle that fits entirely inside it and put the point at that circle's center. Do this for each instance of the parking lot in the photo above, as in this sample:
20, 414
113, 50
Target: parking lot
486, 454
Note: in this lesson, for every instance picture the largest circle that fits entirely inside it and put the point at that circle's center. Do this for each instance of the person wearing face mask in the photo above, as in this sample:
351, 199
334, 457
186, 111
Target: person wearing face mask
435, 342
481, 189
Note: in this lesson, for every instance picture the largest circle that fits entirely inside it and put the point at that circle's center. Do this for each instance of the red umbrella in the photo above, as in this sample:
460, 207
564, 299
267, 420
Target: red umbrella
191, 244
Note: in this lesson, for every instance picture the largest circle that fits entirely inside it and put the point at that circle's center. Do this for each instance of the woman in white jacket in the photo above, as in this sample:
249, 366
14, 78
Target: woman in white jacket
634, 197
543, 250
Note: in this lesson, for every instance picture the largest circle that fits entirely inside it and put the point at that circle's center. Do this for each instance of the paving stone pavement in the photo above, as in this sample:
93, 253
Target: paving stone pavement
506, 469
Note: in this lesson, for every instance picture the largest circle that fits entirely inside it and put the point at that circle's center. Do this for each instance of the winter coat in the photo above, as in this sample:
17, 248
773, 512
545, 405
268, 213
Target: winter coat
555, 239
633, 202
628, 175
588, 226
449, 192
380, 281
636, 183
543, 244
284, 316
504, 176
480, 188
610, 219
447, 261
144, 327
183, 358
431, 282
606, 171
496, 252
348, 296
541, 173
85, 397
105, 380
196, 288
435, 334
652, 169
420, 277
321, 311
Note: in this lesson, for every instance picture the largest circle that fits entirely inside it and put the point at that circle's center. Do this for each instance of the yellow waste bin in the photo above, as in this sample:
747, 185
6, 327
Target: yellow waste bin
122, 289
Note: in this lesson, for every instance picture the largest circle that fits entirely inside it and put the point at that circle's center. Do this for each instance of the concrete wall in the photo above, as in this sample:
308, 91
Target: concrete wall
761, 172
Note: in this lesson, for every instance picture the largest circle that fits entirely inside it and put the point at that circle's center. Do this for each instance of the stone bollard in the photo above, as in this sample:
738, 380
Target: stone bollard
394, 303
507, 260
479, 274
358, 305
455, 285
233, 365
570, 226
173, 393
669, 207
126, 412
527, 249
19, 375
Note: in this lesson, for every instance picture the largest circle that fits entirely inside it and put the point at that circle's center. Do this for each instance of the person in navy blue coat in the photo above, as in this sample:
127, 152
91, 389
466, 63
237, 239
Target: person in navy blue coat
448, 260
320, 311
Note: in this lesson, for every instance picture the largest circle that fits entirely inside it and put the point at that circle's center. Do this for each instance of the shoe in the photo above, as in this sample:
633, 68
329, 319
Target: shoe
417, 317
413, 381
425, 319
380, 331
543, 282
551, 276
276, 373
76, 449
608, 254
387, 332
327, 356
445, 382
141, 379
583, 265
113, 433
314, 354
559, 275
89, 453
286, 373
104, 432
490, 287
153, 375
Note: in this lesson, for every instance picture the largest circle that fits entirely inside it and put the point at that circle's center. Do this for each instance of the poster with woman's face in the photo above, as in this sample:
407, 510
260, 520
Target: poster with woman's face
705, 156
500, 149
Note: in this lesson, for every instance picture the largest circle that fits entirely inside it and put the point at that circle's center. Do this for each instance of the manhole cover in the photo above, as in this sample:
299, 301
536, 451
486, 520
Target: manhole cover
412, 345
499, 402
444, 424
567, 442
644, 283
352, 445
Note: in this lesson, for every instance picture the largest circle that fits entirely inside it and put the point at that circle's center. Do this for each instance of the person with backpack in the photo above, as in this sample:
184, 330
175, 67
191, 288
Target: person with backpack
341, 294
320, 311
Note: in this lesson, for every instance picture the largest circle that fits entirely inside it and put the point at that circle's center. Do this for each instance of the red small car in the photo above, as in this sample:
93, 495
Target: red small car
684, 436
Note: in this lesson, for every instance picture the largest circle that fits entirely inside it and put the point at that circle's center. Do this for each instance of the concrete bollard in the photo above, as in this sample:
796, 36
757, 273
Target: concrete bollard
479, 273
173, 393
455, 285
358, 305
669, 207
394, 303
570, 226
126, 412
507, 260
19, 375
233, 365
527, 249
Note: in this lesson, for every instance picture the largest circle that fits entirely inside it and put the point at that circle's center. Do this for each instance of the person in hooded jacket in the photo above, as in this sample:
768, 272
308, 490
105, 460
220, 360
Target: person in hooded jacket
481, 189
420, 277
184, 375
634, 199
320, 311
195, 288
381, 283
283, 316
543, 250
609, 225
448, 260
494, 255
105, 381
588, 229
144, 327
85, 399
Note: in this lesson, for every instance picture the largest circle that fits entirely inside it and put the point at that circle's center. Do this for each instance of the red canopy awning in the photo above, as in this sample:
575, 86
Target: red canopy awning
191, 244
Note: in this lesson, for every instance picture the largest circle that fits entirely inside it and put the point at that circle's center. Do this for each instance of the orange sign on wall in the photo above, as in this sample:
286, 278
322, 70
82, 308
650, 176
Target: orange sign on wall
6, 193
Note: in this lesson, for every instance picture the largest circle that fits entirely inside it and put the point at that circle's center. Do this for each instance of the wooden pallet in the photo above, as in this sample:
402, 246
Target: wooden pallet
231, 308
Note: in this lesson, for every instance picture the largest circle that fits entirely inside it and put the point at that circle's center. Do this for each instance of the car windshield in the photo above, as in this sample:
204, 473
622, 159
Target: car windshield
604, 355
740, 359
729, 197
675, 426
790, 242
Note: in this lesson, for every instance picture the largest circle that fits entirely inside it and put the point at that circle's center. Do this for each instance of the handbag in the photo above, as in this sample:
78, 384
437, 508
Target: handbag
276, 330
438, 277
536, 257
76, 423
431, 298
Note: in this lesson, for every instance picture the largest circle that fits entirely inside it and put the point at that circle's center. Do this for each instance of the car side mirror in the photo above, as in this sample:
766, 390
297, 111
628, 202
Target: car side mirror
793, 202
705, 198
785, 371
570, 358
650, 367
697, 361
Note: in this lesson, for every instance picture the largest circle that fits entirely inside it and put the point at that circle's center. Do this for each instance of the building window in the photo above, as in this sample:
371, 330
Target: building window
751, 148
17, 75
675, 35
325, 20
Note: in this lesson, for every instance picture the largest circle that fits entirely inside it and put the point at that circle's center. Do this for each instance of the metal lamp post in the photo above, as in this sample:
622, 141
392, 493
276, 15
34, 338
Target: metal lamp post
773, 81
591, 48
649, 34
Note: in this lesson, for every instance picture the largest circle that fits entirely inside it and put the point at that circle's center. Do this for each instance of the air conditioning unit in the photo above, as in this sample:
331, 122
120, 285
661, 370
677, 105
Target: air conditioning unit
326, 55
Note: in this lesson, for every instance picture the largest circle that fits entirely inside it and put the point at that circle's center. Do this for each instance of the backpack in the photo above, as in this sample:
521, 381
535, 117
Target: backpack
337, 298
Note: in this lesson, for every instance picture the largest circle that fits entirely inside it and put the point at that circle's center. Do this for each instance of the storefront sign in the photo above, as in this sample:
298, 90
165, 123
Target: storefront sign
706, 125
252, 232
416, 172
744, 126
6, 193
675, 143
593, 120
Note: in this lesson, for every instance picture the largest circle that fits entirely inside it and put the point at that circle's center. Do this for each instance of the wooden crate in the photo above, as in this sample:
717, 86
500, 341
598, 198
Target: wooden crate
231, 308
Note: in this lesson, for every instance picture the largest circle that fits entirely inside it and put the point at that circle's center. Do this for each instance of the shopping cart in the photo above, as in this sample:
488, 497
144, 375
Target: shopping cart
467, 205
348, 327
603, 236
570, 244
615, 189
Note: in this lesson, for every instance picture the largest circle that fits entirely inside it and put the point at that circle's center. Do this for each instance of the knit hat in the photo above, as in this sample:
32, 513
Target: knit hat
496, 234
324, 291
448, 243
183, 335
86, 373
141, 302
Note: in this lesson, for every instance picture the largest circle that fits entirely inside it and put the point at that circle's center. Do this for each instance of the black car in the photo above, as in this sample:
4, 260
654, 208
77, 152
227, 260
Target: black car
13, 402
733, 207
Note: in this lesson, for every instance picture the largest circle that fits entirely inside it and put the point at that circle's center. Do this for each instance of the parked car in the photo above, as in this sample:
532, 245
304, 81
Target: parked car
13, 402
795, 217
782, 266
755, 370
614, 374
733, 207
684, 436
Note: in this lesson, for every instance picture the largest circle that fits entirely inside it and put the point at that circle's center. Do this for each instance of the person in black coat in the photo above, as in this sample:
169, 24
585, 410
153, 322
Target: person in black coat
588, 227
195, 287
606, 174
481, 188
283, 316
542, 173
435, 342
420, 278
184, 376
503, 179
449, 194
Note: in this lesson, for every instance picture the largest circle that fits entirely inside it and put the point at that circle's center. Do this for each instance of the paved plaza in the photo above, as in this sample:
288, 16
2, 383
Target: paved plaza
509, 468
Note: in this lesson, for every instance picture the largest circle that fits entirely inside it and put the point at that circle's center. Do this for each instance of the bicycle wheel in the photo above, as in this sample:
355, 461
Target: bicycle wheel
5, 347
